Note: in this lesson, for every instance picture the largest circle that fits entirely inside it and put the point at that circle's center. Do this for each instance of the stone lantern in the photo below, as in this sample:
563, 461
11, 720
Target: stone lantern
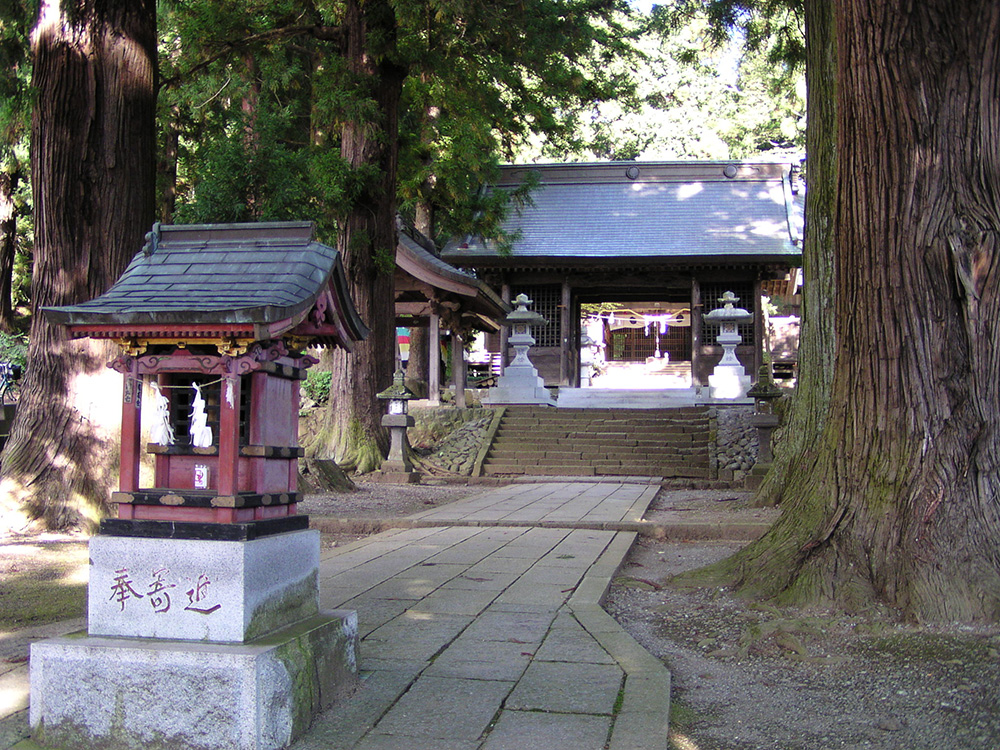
728, 380
520, 382
397, 467
764, 393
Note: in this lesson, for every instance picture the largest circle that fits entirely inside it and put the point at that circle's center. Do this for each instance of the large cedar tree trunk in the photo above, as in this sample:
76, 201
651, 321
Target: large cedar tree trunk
904, 505
808, 411
353, 435
93, 157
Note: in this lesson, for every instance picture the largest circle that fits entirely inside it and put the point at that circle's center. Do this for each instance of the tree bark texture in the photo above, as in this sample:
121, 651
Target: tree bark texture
817, 342
8, 246
904, 504
353, 434
93, 158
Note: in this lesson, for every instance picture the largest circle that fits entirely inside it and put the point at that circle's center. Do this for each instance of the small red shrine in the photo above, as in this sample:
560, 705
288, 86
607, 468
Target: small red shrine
216, 319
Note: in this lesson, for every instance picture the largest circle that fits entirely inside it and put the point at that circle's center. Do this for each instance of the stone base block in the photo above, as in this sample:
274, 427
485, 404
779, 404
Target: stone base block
728, 382
520, 384
92, 693
396, 477
202, 590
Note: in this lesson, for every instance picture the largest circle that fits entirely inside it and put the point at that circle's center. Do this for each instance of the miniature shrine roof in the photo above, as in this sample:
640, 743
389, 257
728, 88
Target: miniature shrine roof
262, 278
645, 211
422, 279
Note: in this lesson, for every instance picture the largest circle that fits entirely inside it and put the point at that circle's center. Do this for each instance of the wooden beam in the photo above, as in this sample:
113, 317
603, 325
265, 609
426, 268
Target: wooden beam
566, 347
229, 435
416, 309
758, 329
504, 331
696, 332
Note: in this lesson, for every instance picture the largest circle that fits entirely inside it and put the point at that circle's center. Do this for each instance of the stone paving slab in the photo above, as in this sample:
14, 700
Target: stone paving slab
549, 502
507, 646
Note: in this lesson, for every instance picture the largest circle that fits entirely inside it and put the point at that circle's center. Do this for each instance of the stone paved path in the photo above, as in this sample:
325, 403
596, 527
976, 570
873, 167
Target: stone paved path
485, 631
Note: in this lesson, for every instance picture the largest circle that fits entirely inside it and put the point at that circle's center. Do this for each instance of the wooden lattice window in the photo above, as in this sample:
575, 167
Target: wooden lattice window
710, 294
547, 302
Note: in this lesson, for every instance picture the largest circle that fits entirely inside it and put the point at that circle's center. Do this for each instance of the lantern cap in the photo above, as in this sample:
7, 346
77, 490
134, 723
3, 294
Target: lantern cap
522, 315
727, 313
398, 390
765, 389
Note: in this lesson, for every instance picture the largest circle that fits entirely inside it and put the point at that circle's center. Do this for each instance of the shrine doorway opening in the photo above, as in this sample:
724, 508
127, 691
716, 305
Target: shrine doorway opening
637, 343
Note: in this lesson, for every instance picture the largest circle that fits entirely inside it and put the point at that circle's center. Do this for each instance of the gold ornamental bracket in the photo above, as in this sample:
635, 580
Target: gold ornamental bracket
227, 346
232, 346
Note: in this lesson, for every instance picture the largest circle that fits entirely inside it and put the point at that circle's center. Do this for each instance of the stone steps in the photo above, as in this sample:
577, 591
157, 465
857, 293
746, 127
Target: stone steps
602, 442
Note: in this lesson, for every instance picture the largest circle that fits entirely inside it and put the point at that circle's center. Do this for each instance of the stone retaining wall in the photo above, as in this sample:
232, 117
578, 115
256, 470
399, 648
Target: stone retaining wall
448, 440
736, 442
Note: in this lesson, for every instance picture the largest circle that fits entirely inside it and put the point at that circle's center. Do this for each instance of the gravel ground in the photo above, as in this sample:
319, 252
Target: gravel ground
750, 677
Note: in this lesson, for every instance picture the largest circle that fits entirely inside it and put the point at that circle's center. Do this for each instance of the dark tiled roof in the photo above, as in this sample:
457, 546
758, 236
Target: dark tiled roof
426, 266
217, 273
667, 210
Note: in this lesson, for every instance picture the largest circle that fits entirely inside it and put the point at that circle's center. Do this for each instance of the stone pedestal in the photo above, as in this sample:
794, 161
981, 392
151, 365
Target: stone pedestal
397, 467
109, 693
765, 424
519, 384
728, 382
201, 590
195, 643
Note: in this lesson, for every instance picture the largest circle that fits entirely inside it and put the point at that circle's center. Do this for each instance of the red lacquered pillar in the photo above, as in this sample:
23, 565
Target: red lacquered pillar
229, 435
128, 477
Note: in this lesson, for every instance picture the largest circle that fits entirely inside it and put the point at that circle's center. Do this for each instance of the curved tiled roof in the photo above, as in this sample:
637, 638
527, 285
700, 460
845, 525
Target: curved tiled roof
258, 274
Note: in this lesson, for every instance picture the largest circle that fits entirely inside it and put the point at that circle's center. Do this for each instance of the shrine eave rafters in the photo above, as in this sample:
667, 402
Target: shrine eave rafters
424, 282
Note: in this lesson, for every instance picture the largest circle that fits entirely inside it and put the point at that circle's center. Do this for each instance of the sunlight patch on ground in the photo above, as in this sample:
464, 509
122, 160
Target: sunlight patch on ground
682, 742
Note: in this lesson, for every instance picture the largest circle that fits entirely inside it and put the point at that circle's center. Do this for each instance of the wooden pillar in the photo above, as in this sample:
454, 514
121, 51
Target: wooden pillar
504, 331
758, 328
293, 465
458, 367
576, 333
229, 435
434, 359
696, 328
128, 477
566, 347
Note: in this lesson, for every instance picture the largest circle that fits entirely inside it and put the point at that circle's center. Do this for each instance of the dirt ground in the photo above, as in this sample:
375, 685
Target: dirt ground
746, 676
